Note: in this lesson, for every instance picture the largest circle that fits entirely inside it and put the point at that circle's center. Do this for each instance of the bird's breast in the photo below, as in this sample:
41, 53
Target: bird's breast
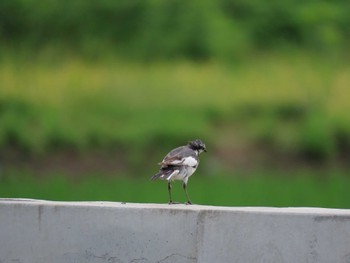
184, 172
190, 161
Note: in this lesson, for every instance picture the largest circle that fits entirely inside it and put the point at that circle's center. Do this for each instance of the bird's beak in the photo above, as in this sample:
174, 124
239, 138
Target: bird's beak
205, 150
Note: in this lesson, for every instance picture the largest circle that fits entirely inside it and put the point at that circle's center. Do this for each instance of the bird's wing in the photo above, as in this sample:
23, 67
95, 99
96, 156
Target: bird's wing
180, 156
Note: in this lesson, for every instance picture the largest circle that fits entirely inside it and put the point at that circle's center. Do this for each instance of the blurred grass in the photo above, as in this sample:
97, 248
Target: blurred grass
295, 102
150, 30
257, 189
263, 84
281, 105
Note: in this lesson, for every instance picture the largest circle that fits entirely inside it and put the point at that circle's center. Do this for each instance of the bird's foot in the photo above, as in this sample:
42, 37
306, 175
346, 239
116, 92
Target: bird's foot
188, 203
173, 203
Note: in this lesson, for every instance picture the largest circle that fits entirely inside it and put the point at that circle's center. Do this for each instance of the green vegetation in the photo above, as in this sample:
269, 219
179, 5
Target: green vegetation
261, 189
108, 87
153, 29
297, 105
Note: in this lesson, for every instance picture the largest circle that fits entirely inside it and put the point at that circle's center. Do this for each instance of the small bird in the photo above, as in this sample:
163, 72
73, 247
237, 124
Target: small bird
180, 164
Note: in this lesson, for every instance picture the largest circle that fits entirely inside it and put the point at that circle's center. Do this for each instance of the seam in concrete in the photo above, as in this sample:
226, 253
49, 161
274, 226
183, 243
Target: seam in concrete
199, 232
177, 255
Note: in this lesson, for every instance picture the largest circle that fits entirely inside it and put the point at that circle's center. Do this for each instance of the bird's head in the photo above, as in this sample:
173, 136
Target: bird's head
197, 145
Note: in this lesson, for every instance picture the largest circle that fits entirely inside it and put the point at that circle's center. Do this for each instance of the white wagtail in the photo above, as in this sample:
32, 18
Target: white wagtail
180, 164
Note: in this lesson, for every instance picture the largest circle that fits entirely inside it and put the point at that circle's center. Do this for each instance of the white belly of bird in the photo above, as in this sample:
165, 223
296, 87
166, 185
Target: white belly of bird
182, 174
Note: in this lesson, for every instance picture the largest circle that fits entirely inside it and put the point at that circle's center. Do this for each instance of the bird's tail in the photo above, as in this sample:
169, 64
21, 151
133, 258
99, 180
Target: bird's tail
156, 176
163, 174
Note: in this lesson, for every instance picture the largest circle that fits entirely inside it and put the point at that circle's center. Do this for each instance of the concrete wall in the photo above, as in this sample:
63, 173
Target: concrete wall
34, 231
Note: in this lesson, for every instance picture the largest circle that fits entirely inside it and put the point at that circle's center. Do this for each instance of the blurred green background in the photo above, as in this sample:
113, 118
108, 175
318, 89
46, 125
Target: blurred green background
93, 94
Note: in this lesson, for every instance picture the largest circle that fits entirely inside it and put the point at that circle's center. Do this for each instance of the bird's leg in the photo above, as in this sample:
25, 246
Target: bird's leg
188, 198
169, 190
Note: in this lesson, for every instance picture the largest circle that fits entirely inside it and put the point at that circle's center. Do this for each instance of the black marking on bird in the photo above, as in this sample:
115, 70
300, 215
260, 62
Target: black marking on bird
180, 164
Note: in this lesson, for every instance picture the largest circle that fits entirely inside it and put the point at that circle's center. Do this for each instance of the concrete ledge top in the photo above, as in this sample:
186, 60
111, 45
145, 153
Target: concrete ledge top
195, 208
40, 231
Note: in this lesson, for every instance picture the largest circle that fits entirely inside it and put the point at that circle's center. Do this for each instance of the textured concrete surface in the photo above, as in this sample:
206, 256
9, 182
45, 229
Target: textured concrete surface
35, 231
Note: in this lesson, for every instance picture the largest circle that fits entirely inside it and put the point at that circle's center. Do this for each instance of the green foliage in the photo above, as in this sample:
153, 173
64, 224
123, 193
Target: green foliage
16, 116
112, 107
326, 189
67, 85
149, 30
317, 138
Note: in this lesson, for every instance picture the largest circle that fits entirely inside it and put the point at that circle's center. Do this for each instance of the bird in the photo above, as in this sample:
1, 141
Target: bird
179, 164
